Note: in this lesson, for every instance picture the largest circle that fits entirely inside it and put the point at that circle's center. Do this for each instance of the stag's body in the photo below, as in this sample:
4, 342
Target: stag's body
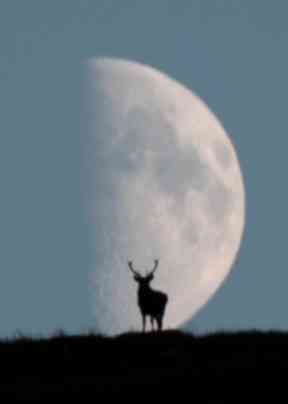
151, 302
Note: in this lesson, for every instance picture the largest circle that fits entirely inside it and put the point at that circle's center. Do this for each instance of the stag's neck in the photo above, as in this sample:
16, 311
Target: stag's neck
143, 289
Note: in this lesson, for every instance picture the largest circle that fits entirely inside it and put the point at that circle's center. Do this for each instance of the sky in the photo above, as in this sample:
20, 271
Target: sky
230, 53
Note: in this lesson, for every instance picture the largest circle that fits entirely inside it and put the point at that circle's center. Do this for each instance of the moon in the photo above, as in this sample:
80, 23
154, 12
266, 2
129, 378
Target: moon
161, 180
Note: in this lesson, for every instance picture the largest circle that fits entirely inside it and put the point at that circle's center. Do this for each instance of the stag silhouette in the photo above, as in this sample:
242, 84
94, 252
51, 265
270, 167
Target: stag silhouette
151, 302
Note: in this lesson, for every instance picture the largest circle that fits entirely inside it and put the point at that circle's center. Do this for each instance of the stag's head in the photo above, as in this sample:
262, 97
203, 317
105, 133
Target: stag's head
143, 280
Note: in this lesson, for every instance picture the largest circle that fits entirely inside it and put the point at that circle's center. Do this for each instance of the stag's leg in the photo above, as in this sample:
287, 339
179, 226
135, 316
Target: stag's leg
159, 322
152, 322
143, 322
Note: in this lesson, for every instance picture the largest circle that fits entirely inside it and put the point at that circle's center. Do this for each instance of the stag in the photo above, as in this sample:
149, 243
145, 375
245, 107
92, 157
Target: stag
151, 302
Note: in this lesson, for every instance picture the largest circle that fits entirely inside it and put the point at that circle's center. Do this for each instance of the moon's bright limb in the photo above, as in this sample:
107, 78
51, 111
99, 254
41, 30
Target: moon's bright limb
161, 180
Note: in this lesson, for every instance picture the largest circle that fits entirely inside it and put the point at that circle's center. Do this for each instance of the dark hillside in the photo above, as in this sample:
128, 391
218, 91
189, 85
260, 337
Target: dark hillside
227, 367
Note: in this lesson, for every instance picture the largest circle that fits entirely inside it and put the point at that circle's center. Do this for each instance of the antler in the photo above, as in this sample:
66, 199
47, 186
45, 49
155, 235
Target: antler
130, 265
156, 262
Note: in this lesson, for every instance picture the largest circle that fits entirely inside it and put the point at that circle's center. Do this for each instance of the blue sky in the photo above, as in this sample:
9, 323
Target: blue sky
233, 54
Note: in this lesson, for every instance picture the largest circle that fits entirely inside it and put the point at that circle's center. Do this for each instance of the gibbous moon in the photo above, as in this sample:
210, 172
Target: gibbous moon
161, 180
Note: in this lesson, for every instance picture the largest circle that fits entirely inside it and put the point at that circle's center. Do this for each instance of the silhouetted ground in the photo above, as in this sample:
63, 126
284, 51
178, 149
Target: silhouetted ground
223, 367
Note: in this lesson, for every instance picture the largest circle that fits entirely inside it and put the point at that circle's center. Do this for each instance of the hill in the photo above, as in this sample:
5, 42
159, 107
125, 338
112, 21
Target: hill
222, 367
